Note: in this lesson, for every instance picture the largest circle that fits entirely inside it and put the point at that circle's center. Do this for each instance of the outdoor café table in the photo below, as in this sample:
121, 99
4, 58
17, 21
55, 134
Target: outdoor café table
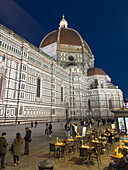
59, 144
102, 138
87, 147
87, 133
116, 157
78, 136
125, 142
96, 141
70, 140
106, 134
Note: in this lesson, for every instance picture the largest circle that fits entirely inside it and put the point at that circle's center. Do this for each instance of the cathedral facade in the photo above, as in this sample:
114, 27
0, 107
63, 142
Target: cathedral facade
58, 80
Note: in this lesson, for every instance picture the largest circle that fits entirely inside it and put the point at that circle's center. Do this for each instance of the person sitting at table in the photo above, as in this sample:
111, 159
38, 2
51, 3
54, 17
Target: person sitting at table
122, 164
110, 135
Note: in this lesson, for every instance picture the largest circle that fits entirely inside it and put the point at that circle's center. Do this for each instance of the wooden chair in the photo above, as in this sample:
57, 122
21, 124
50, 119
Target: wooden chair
95, 154
53, 149
78, 142
64, 151
84, 155
75, 146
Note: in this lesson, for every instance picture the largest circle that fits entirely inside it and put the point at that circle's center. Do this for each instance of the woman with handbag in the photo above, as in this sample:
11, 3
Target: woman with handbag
16, 147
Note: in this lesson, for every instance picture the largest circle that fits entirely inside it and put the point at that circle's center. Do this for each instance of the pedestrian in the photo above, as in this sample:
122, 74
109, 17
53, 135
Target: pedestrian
109, 135
98, 122
65, 126
46, 130
73, 130
3, 149
36, 124
27, 139
31, 123
50, 129
16, 147
68, 131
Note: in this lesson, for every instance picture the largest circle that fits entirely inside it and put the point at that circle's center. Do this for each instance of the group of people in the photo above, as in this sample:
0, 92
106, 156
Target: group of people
15, 146
48, 129
70, 129
36, 123
90, 122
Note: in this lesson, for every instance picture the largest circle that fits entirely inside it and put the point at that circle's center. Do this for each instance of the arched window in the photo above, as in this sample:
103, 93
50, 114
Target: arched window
38, 88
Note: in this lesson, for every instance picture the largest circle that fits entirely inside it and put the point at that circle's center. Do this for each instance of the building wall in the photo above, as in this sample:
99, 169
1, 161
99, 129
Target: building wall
23, 65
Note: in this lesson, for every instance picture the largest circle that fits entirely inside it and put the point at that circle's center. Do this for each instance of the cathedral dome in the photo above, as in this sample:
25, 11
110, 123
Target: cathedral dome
95, 71
65, 36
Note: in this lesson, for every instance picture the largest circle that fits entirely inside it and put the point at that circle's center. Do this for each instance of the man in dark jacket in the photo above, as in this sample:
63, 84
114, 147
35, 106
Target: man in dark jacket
27, 139
110, 135
123, 163
3, 149
50, 129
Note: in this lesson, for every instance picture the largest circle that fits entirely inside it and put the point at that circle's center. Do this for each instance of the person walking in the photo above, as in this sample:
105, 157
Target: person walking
50, 129
3, 149
68, 131
31, 123
73, 130
46, 130
98, 122
27, 139
16, 147
36, 124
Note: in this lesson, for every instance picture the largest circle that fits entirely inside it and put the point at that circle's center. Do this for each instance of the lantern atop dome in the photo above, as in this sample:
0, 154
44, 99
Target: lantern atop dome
63, 23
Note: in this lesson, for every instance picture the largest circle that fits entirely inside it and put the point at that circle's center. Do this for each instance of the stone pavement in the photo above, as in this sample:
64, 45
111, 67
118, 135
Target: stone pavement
39, 149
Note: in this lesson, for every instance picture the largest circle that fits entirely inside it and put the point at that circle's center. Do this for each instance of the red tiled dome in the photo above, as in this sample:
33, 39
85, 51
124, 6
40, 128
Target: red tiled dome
95, 71
66, 36
49, 39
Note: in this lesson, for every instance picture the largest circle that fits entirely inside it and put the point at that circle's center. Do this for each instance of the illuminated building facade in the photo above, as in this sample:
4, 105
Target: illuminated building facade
58, 80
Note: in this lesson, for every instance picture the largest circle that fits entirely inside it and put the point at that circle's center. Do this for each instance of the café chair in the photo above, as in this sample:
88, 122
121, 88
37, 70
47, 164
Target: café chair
53, 149
84, 155
64, 151
78, 142
75, 146
95, 154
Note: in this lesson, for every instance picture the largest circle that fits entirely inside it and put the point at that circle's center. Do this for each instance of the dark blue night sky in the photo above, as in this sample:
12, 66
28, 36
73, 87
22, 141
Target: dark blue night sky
103, 24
